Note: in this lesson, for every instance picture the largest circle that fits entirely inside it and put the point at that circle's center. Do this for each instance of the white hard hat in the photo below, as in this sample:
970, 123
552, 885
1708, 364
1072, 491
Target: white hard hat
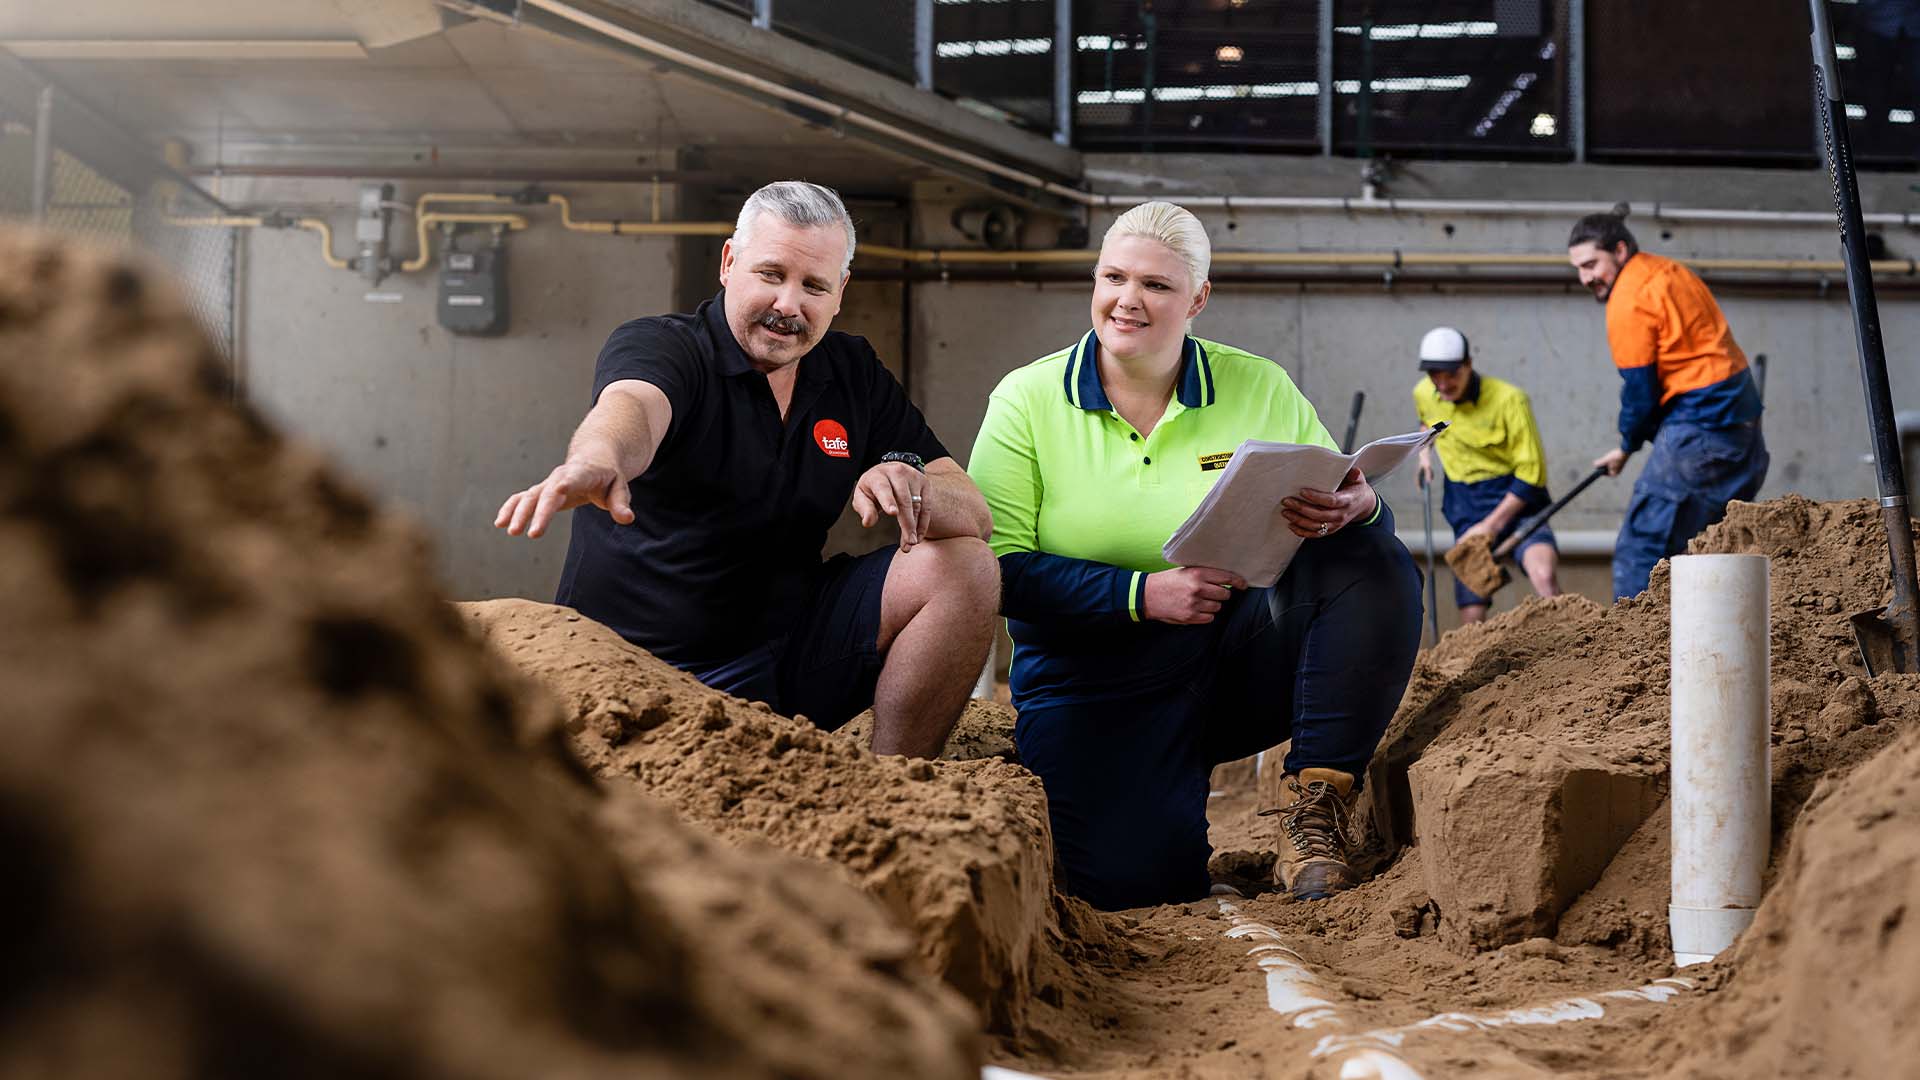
1443, 349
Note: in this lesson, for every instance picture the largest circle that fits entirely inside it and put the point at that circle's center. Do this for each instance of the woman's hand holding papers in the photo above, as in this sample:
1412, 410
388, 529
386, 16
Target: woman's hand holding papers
1315, 514
1188, 595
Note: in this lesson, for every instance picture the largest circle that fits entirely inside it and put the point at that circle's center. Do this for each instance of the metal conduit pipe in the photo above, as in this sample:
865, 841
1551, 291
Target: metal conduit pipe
1391, 260
638, 228
423, 222
844, 115
230, 221
420, 204
1773, 285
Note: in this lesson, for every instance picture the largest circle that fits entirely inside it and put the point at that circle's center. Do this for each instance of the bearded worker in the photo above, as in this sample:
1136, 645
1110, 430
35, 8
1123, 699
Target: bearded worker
721, 447
1685, 387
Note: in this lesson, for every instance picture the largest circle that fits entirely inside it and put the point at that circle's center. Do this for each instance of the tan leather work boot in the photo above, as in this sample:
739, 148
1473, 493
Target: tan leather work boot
1311, 850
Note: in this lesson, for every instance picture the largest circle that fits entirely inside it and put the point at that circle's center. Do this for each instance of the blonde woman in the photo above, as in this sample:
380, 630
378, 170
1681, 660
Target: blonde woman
1133, 678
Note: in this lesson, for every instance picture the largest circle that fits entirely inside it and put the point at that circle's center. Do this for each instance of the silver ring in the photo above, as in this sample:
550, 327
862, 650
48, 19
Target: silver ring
1323, 528
915, 498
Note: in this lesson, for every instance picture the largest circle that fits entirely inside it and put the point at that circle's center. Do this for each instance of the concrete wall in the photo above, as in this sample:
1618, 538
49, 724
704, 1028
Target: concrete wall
446, 425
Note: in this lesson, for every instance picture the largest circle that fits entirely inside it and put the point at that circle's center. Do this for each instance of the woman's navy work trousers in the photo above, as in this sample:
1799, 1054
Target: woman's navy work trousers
1321, 657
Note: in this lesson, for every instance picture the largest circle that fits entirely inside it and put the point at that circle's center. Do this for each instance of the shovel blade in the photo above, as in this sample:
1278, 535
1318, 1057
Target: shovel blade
1879, 647
1473, 564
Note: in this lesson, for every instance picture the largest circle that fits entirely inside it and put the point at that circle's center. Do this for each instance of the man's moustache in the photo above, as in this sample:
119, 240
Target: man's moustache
789, 324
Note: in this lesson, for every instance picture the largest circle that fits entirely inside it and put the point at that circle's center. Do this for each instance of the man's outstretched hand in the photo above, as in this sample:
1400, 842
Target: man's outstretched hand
573, 483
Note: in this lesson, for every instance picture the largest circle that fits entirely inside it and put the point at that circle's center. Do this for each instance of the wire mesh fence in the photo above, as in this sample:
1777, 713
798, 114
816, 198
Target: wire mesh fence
170, 222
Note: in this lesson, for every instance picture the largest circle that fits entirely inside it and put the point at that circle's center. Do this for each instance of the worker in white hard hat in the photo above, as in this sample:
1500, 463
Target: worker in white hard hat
1495, 467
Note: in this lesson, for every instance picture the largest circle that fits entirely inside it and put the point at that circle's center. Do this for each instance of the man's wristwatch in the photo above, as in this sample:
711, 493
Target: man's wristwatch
905, 457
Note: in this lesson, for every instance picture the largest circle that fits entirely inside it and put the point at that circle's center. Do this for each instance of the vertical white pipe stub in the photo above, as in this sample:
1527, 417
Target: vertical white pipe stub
1721, 691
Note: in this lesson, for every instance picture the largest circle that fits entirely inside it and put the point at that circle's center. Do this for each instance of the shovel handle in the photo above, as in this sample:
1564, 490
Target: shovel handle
1532, 525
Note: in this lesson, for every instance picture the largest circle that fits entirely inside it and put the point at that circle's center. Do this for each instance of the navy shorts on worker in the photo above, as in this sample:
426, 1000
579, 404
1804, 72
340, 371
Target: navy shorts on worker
1466, 505
1690, 476
827, 667
720, 572
1127, 748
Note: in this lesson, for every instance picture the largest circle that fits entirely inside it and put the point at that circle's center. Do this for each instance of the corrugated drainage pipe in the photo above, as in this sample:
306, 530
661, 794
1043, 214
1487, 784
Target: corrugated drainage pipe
1720, 695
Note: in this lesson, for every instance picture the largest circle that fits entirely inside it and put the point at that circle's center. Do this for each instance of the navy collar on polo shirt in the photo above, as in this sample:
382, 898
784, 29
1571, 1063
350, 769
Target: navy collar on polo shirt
1194, 388
1472, 396
732, 359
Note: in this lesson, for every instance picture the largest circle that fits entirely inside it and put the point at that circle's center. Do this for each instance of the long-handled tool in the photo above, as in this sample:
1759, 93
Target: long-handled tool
1479, 567
1353, 421
1433, 587
1888, 637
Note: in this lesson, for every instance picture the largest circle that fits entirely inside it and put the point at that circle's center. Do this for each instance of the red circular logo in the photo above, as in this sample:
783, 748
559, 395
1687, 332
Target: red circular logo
831, 438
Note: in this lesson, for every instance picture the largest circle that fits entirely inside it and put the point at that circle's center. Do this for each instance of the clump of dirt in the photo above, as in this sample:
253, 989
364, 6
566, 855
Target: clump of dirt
1827, 980
267, 808
984, 730
1471, 560
960, 852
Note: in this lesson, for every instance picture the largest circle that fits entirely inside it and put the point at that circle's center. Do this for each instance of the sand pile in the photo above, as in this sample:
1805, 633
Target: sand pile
1593, 681
984, 730
267, 808
1827, 980
960, 852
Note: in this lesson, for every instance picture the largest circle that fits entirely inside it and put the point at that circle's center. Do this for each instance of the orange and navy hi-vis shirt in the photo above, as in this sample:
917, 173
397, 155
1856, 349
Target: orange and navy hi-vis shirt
1675, 352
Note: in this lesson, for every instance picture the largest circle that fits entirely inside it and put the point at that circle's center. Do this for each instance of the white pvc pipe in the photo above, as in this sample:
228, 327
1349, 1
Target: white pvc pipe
983, 686
1720, 697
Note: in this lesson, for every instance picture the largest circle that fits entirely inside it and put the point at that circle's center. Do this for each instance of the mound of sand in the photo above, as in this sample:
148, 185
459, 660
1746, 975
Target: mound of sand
960, 852
1827, 980
984, 730
267, 808
1594, 680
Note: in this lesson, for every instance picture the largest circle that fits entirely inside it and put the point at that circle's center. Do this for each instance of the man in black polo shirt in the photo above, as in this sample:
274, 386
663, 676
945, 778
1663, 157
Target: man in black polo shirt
721, 447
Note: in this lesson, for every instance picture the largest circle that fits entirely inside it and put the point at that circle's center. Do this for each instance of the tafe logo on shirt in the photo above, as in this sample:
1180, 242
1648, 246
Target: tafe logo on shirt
831, 437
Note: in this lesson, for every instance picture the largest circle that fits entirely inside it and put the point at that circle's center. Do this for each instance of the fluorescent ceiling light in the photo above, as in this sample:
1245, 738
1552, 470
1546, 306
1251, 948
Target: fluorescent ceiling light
1428, 31
185, 49
1227, 91
954, 50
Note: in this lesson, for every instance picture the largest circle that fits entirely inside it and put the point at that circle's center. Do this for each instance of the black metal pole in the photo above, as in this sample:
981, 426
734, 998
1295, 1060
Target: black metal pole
1353, 421
1433, 583
1889, 470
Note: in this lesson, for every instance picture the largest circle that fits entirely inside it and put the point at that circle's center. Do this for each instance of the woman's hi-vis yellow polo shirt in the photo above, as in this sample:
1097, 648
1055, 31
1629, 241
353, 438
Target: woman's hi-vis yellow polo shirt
1082, 502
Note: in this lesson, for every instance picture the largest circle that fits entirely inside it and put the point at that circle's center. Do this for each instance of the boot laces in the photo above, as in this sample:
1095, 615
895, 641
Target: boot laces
1317, 821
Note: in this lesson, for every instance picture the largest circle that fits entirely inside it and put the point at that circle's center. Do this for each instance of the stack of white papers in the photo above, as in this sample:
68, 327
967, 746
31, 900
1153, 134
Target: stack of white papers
1239, 527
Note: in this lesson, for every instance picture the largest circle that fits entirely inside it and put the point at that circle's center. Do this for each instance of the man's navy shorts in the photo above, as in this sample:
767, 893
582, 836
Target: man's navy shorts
826, 668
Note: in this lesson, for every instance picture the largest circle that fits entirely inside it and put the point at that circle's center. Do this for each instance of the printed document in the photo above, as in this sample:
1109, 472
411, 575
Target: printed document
1239, 527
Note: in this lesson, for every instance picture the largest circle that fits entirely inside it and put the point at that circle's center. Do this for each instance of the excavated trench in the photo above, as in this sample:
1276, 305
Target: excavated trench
270, 803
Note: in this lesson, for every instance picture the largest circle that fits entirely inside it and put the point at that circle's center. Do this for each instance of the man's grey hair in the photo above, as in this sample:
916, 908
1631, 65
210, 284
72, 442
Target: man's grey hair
796, 202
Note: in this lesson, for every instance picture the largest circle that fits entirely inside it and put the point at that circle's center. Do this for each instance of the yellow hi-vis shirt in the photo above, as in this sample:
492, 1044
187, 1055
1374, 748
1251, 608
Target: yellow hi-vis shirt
1490, 434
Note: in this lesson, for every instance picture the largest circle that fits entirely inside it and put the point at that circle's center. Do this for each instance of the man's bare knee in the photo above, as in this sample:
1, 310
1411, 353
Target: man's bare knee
961, 568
